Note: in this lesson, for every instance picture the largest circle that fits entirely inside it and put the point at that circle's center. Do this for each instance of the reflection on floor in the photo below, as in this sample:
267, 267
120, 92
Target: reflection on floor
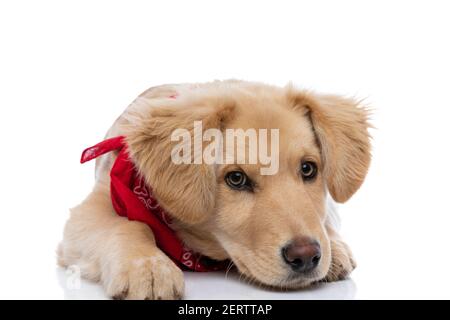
214, 285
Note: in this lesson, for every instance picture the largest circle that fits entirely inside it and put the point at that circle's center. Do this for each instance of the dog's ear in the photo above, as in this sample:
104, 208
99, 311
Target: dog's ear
187, 191
341, 128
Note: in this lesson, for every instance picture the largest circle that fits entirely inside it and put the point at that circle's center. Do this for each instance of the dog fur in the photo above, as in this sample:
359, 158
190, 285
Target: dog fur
248, 228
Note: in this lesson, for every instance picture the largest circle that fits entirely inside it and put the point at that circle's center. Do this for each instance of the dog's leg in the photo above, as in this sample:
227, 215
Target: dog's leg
119, 253
342, 262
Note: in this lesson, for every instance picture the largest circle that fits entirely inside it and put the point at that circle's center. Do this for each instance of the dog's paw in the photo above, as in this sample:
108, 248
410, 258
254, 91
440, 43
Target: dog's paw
153, 277
342, 261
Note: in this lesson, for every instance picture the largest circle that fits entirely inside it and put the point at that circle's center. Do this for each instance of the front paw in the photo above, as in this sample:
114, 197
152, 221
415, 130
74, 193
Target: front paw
342, 262
153, 277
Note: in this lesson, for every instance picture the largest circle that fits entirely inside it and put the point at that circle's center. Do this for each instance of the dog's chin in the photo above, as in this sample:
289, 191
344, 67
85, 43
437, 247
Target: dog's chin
295, 281
286, 283
282, 280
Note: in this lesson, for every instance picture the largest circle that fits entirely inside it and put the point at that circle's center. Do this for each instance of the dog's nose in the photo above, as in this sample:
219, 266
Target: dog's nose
302, 254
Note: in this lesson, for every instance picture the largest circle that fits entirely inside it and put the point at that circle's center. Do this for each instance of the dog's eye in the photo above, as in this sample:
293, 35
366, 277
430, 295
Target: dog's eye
308, 170
237, 180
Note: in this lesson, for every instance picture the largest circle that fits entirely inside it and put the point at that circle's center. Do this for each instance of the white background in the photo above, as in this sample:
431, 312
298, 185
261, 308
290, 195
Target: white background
69, 68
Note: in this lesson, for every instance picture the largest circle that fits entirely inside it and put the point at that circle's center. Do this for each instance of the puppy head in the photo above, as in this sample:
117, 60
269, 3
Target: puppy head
271, 226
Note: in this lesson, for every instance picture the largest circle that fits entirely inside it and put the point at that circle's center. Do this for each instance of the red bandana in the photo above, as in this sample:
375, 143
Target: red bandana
132, 198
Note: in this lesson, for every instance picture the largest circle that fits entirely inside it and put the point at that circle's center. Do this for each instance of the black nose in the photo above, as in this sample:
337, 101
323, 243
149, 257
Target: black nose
302, 254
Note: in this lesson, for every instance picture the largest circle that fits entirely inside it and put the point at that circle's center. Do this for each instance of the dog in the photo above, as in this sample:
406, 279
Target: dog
276, 229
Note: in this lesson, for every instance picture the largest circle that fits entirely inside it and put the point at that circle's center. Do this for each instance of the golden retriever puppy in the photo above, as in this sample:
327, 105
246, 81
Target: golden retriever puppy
269, 218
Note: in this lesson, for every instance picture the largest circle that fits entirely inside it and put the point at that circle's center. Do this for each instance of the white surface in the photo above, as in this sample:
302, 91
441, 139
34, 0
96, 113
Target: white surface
67, 70
217, 286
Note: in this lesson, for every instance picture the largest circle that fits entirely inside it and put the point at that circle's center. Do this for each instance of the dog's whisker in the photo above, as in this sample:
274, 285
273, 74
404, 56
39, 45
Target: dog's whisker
230, 266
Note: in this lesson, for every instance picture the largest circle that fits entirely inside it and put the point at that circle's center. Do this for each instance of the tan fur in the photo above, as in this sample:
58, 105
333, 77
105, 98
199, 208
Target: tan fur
249, 228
